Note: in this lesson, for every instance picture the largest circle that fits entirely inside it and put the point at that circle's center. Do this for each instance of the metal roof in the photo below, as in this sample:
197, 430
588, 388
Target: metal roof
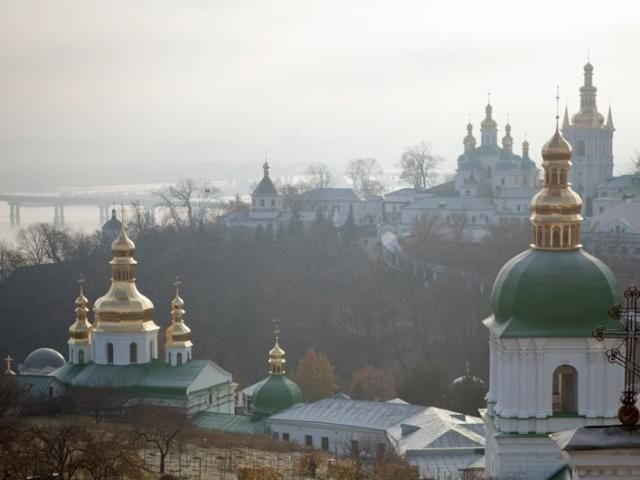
265, 187
331, 195
228, 423
349, 413
154, 376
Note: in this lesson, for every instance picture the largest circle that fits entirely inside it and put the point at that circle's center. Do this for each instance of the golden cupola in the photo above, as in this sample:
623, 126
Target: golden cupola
469, 141
178, 333
123, 309
507, 140
277, 358
80, 331
555, 210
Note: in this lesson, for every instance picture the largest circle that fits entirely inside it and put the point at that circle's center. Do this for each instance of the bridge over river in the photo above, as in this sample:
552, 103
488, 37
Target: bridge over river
103, 202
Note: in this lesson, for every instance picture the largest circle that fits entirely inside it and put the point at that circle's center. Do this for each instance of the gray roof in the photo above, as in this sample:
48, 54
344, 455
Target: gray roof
43, 359
331, 195
621, 181
597, 438
265, 187
350, 413
35, 386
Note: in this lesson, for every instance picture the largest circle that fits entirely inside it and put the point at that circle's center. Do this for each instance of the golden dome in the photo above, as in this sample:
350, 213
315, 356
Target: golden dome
277, 359
123, 246
178, 333
555, 209
123, 308
557, 148
80, 330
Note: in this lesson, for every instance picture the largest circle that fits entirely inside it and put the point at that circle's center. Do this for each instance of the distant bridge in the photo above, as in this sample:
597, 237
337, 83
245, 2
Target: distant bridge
58, 202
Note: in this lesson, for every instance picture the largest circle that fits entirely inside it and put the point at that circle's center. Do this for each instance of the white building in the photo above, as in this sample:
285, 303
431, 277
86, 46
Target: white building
119, 350
547, 372
336, 203
492, 184
592, 140
439, 441
614, 191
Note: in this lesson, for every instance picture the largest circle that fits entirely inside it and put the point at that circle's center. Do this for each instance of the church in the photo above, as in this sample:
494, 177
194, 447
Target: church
547, 371
118, 351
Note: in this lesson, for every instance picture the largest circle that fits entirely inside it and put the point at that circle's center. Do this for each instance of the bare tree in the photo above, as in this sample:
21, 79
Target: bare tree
362, 172
159, 426
188, 204
460, 227
10, 260
429, 227
33, 244
419, 165
320, 176
140, 221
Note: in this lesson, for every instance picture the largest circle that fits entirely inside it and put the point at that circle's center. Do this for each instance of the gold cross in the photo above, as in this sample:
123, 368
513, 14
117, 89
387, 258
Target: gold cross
81, 282
489, 97
276, 332
177, 283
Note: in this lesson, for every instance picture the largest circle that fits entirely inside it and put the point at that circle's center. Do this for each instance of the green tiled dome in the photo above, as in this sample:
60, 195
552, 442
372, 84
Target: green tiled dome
545, 293
276, 394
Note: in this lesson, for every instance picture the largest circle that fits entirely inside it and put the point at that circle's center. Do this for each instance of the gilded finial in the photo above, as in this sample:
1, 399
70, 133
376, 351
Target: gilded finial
177, 284
489, 97
557, 106
276, 354
81, 281
177, 303
7, 362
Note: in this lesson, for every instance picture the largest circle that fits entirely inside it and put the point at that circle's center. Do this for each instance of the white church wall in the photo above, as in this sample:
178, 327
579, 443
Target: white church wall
146, 346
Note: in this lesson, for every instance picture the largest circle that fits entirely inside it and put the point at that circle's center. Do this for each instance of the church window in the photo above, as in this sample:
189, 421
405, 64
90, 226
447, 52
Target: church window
81, 356
210, 398
262, 202
555, 242
601, 209
285, 437
50, 393
502, 181
273, 202
554, 177
253, 202
563, 176
565, 236
308, 440
580, 149
109, 352
275, 436
517, 208
179, 358
565, 390
133, 353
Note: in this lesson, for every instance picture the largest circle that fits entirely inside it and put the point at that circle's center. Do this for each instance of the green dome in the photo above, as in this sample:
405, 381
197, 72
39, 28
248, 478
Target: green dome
276, 394
546, 293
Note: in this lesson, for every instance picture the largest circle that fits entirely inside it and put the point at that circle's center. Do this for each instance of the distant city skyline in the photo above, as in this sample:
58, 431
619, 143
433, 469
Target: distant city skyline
166, 89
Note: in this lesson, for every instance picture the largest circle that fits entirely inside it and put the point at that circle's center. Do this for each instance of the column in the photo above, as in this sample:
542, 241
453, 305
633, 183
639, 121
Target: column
17, 208
61, 214
12, 214
56, 215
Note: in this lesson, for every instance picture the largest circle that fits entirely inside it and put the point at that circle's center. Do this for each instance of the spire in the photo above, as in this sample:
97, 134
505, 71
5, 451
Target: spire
266, 168
277, 355
609, 123
488, 127
525, 149
7, 362
507, 140
80, 331
588, 116
565, 120
178, 334
555, 210
469, 141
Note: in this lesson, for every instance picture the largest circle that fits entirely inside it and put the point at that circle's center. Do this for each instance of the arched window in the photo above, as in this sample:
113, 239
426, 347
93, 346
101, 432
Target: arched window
554, 177
565, 236
80, 356
565, 390
563, 176
109, 352
555, 241
179, 358
133, 353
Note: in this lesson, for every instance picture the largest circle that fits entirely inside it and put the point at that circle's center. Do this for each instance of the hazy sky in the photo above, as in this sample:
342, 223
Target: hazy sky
191, 82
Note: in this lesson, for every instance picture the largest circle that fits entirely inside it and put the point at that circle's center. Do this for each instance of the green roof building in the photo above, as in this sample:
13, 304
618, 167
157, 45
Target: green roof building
547, 372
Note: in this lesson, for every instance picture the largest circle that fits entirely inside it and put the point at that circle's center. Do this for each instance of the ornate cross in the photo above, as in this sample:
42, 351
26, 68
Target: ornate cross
81, 281
177, 284
628, 317
276, 326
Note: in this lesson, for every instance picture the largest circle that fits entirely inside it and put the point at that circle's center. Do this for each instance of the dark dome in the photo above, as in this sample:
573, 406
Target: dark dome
276, 394
43, 359
113, 223
546, 293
